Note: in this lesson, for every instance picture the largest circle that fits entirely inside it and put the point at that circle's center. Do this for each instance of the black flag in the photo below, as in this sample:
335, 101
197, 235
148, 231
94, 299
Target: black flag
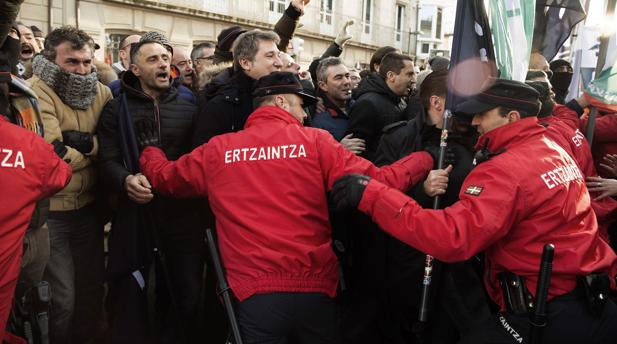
554, 21
472, 61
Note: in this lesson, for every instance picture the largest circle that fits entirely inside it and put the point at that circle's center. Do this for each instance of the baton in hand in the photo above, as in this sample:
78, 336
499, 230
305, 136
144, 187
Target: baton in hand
224, 289
538, 317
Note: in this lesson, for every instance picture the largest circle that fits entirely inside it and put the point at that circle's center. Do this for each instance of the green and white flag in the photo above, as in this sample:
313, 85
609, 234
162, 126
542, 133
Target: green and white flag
512, 28
602, 91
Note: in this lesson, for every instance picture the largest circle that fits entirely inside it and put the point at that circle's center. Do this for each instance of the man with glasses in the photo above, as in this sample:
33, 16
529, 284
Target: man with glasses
202, 56
124, 53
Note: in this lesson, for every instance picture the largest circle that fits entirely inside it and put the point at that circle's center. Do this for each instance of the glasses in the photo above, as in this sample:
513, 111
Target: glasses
211, 57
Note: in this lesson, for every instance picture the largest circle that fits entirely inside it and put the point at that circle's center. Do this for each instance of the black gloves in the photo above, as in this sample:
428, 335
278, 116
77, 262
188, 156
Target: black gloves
347, 191
59, 148
79, 140
147, 133
449, 158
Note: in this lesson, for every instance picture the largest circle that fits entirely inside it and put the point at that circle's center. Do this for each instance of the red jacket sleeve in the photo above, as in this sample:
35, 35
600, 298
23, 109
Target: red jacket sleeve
183, 178
336, 161
452, 234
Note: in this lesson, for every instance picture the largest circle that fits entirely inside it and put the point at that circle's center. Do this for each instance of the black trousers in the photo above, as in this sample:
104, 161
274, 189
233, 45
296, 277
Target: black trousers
569, 321
288, 318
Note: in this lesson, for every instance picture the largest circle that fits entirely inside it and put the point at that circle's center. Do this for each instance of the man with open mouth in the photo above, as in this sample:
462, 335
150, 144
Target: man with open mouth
29, 47
149, 94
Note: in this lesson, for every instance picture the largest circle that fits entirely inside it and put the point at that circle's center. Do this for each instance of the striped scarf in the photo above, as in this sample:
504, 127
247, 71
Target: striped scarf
25, 107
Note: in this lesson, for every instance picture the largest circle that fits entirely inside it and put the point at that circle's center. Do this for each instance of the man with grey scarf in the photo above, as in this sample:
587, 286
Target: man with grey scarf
71, 100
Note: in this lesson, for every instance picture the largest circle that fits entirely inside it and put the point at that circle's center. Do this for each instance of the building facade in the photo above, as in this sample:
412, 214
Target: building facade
188, 22
435, 27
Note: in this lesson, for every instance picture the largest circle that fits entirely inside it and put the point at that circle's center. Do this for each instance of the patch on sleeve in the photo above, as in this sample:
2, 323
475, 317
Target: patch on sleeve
474, 190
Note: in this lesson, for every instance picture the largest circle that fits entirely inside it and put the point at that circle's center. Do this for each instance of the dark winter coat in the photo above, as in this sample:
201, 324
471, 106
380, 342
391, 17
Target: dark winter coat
224, 109
333, 119
118, 154
376, 107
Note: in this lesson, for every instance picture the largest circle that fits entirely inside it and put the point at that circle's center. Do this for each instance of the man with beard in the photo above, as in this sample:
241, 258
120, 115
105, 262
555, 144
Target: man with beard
71, 99
29, 47
182, 60
144, 221
380, 100
201, 55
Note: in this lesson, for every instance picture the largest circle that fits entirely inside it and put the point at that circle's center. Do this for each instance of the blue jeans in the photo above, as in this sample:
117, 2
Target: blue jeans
75, 274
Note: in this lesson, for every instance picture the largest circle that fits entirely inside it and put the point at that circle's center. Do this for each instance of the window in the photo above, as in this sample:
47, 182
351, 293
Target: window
366, 15
325, 12
425, 48
277, 6
426, 20
438, 24
400, 12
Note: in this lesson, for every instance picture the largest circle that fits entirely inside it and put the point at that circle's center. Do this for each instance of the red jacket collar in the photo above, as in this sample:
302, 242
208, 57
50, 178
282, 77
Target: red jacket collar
510, 134
270, 113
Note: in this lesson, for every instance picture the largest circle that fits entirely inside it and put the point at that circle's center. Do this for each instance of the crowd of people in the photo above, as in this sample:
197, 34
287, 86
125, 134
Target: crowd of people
320, 183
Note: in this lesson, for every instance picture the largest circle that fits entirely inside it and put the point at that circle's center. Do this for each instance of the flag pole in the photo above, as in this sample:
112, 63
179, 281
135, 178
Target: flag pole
593, 112
429, 260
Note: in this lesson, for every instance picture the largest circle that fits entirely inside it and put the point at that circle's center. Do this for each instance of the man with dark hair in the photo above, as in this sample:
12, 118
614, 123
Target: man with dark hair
380, 100
379, 55
71, 100
144, 221
510, 214
335, 91
280, 266
38, 37
255, 55
29, 48
458, 301
124, 51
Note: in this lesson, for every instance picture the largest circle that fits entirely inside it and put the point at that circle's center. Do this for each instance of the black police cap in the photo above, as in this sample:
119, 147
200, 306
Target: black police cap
505, 93
282, 83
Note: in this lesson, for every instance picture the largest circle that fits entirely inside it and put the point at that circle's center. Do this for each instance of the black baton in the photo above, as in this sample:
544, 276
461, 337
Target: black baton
224, 290
538, 317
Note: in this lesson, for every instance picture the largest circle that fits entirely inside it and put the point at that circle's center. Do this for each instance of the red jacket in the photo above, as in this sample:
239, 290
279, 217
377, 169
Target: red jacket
563, 128
267, 188
510, 206
604, 138
29, 172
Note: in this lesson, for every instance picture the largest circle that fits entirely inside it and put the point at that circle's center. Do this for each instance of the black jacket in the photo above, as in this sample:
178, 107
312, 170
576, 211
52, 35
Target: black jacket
459, 287
224, 109
376, 107
129, 242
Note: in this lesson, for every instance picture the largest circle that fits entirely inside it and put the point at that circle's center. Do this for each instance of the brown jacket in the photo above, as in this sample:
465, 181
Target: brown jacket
58, 117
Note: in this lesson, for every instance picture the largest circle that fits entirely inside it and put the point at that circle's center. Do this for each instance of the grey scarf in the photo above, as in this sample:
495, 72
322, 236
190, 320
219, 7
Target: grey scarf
76, 91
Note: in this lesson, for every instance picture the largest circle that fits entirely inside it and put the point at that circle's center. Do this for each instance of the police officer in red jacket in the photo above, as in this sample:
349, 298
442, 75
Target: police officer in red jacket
267, 187
526, 191
30, 170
